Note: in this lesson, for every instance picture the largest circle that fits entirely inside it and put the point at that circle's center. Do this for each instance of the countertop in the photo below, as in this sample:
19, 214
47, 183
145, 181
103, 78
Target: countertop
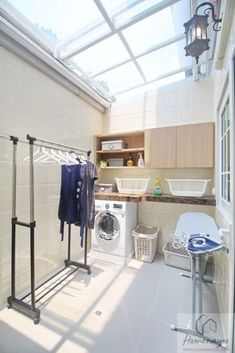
115, 196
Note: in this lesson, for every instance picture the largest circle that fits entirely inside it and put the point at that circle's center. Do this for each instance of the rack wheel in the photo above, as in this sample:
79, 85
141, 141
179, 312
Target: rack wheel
36, 321
223, 345
89, 272
9, 306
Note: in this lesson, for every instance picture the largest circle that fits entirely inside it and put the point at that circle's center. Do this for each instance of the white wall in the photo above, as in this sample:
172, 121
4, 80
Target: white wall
183, 102
30, 102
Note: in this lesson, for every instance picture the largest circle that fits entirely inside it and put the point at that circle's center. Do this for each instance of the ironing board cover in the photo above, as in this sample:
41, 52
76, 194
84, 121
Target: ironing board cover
200, 244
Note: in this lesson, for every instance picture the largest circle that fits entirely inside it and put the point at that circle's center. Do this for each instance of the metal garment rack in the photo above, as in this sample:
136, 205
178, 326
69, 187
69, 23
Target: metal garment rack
18, 303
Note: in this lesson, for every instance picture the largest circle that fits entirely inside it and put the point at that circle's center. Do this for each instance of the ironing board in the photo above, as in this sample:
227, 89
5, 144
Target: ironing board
203, 238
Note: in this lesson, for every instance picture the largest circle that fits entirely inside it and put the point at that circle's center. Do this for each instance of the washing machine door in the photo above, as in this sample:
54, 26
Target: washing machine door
107, 229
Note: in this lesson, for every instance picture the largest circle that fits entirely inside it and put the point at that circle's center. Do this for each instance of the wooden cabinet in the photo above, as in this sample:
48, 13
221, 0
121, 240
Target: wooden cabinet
134, 145
186, 146
160, 150
195, 146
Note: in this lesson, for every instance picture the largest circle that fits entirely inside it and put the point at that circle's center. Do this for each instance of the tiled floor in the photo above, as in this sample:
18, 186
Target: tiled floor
115, 310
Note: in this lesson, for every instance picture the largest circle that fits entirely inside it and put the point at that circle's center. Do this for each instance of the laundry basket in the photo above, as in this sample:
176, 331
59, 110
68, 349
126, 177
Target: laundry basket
132, 185
145, 241
179, 257
188, 187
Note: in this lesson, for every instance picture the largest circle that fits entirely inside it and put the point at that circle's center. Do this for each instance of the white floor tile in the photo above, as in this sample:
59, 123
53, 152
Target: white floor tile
118, 309
158, 338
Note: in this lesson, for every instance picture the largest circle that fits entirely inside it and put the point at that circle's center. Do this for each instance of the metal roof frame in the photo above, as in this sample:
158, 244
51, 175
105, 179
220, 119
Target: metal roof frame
18, 21
152, 10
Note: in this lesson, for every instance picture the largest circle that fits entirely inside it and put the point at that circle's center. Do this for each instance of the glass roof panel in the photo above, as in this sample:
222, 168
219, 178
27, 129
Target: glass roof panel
81, 39
59, 19
121, 78
153, 85
164, 60
107, 53
122, 11
158, 28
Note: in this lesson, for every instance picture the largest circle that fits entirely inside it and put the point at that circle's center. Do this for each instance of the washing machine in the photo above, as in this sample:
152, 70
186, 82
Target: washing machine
111, 238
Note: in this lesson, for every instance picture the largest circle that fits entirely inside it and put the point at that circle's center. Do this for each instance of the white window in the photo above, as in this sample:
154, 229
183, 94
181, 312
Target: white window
224, 149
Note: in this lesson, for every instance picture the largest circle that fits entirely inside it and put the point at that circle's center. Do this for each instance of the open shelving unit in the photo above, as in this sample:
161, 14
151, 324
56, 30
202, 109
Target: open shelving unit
134, 144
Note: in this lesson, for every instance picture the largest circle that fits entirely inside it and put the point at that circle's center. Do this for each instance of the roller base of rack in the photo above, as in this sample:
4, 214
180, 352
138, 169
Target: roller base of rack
78, 265
188, 331
24, 308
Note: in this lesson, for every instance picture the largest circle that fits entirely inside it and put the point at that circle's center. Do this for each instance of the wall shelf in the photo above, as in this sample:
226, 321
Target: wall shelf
126, 150
134, 144
124, 167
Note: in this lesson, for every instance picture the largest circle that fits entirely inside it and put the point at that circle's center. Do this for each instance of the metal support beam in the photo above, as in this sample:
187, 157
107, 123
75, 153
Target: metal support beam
121, 36
148, 51
156, 79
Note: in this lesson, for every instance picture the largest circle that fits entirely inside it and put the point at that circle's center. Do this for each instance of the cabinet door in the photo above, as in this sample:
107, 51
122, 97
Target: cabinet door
160, 147
195, 146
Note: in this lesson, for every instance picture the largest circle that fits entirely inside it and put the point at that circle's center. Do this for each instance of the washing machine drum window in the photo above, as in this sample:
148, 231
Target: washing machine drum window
107, 226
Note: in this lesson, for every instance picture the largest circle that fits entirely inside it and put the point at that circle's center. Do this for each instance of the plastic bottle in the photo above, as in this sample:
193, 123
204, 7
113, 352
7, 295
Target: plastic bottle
157, 190
130, 161
140, 160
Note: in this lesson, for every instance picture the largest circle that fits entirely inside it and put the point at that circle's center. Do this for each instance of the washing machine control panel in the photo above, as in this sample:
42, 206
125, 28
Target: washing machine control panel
117, 206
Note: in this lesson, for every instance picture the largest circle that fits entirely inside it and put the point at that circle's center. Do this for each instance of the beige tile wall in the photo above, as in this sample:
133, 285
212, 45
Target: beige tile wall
30, 102
166, 215
183, 102
108, 176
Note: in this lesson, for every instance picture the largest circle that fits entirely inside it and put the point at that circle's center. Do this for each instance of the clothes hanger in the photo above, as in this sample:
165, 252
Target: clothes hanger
47, 157
39, 150
82, 159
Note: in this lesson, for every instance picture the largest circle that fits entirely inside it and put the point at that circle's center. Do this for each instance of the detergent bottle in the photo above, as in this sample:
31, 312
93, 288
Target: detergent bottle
157, 190
130, 161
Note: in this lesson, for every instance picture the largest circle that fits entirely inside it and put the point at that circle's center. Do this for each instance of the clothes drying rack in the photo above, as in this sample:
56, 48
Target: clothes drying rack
19, 304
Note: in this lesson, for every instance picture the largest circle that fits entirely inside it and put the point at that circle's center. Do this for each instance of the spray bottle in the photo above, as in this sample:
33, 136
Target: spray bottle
140, 160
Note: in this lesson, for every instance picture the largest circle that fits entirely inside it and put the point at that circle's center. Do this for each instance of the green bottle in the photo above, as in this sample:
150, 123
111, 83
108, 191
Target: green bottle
157, 190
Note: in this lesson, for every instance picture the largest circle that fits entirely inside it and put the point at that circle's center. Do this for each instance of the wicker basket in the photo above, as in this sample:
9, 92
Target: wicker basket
145, 241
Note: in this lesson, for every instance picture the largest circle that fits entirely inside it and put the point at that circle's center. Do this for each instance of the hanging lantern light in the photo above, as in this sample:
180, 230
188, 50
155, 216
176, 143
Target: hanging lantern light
196, 31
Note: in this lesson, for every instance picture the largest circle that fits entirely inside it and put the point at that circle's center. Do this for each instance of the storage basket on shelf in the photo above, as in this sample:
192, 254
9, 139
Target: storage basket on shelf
145, 242
188, 187
132, 186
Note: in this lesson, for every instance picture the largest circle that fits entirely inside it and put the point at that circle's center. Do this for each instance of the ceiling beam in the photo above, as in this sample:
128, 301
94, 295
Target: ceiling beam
121, 36
154, 80
148, 51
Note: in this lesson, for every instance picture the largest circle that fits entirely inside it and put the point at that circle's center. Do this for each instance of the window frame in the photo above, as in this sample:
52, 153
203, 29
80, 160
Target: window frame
223, 136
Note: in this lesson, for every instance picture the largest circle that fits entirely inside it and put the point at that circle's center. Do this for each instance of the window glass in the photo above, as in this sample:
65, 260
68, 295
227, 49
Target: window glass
164, 60
225, 153
122, 11
101, 56
121, 78
157, 28
59, 19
